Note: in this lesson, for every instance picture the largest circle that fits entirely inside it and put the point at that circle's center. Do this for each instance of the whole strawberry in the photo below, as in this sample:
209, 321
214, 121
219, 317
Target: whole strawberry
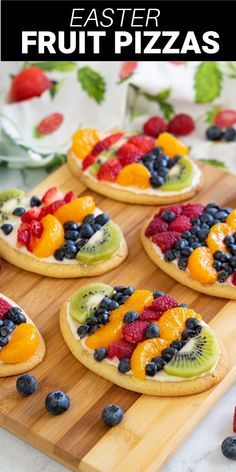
154, 126
29, 83
181, 125
225, 118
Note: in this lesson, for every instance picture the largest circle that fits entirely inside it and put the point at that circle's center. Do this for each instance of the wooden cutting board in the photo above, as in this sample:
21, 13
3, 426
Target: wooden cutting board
153, 427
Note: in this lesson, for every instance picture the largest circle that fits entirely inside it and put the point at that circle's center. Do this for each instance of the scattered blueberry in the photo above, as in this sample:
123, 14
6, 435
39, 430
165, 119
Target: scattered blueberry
222, 276
35, 201
71, 225
59, 254
229, 134
160, 362
184, 305
181, 243
96, 227
82, 331
151, 369
128, 291
92, 321
228, 447
119, 288
19, 211
26, 384
168, 353
86, 231
89, 219
7, 228
92, 329
152, 331
70, 249
158, 294
168, 216
100, 354
131, 316
57, 402
103, 318
124, 366
112, 415
191, 323
9, 324
3, 341
198, 329
214, 133
80, 243
102, 219
71, 234
170, 255
16, 316
186, 251
5, 331
156, 181
182, 263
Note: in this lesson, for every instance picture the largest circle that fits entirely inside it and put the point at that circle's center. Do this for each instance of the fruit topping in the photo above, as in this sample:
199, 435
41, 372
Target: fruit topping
52, 195
199, 355
129, 154
106, 143
30, 82
101, 245
200, 265
180, 175
105, 335
84, 141
172, 322
143, 354
231, 220
228, 447
122, 349
157, 225
193, 210
9, 200
26, 384
152, 331
124, 366
57, 402
135, 175
217, 234
112, 415
225, 118
31, 214
137, 301
19, 211
214, 133
75, 210
163, 303
86, 300
100, 354
7, 228
234, 278
135, 332
234, 420
181, 125
4, 308
144, 143
22, 345
180, 224
110, 170
154, 126
171, 145
16, 316
88, 161
166, 240
51, 238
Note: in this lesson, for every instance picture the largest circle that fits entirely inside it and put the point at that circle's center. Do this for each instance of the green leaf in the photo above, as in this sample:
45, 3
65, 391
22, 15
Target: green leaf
60, 66
164, 94
92, 83
211, 114
207, 82
214, 163
167, 110
57, 161
36, 133
56, 87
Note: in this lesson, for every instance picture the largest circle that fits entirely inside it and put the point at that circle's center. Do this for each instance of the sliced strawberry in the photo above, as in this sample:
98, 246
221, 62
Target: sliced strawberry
50, 209
106, 143
110, 170
4, 308
145, 143
166, 240
88, 161
128, 154
225, 118
31, 214
36, 228
23, 234
31, 243
30, 82
127, 69
52, 195
69, 197
50, 123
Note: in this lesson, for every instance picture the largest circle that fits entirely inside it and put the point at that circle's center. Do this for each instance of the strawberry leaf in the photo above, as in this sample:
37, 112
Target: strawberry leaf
92, 83
214, 162
207, 82
60, 66
211, 114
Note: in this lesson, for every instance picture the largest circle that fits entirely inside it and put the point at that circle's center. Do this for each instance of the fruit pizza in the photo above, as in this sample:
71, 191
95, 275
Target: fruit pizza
21, 345
141, 340
134, 168
58, 235
195, 244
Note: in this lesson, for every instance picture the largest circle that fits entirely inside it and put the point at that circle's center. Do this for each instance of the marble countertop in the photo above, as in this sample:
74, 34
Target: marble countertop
200, 453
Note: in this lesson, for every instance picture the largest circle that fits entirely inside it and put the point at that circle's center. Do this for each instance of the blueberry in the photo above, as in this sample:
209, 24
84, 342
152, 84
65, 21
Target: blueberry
80, 244
202, 234
186, 235
124, 298
86, 231
1, 323
57, 402
233, 262
128, 291
221, 215
187, 333
228, 210
193, 239
161, 161
90, 219
163, 171
112, 415
195, 229
151, 369
71, 234
156, 181
198, 329
157, 150
211, 210
232, 248
174, 160
168, 353
196, 221
9, 324
160, 363
131, 316
169, 256
102, 219
106, 303
195, 245
182, 263
70, 250
71, 225
212, 205
118, 297
35, 201
92, 329
227, 268
92, 321
206, 218
114, 305
59, 254
19, 211
168, 216
5, 331
103, 318
217, 265
119, 288
152, 331
181, 243
176, 345
158, 294
191, 323
222, 276
185, 341
26, 384
3, 341
229, 240
82, 331
214, 133
229, 134
221, 256
149, 166
184, 305
124, 366
6, 228
100, 354
96, 227
16, 316
186, 251
228, 447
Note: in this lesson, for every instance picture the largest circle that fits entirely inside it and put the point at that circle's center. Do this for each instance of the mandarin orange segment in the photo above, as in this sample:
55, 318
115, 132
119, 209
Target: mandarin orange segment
231, 220
200, 265
215, 239
75, 210
105, 335
171, 145
143, 353
172, 322
135, 175
52, 237
136, 302
83, 141
22, 345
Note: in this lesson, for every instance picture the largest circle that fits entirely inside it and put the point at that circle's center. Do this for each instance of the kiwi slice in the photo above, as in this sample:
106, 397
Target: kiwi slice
9, 199
86, 300
103, 157
199, 355
101, 245
180, 176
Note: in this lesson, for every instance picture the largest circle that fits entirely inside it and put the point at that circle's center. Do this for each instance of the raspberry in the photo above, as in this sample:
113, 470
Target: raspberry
121, 349
88, 161
181, 125
52, 195
31, 214
225, 118
4, 308
234, 278
29, 83
181, 223
106, 143
163, 303
36, 228
127, 69
69, 197
135, 332
50, 123
50, 209
177, 209
145, 143
154, 126
129, 153
150, 314
166, 240
157, 225
110, 170
193, 210
234, 421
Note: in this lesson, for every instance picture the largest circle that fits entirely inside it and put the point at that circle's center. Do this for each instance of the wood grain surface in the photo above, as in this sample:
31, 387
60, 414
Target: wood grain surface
153, 428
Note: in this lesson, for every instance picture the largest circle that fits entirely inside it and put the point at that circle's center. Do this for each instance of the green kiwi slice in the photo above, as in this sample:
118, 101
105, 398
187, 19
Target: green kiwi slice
9, 199
102, 158
199, 355
180, 176
86, 300
102, 245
